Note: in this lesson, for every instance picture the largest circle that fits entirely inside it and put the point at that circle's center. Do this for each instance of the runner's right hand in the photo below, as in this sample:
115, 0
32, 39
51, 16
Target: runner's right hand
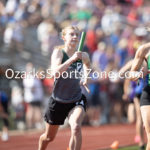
76, 56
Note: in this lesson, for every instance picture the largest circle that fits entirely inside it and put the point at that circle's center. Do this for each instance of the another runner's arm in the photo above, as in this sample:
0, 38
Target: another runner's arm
126, 67
138, 61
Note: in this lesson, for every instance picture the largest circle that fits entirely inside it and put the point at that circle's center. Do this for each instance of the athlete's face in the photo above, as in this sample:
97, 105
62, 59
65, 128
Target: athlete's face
71, 37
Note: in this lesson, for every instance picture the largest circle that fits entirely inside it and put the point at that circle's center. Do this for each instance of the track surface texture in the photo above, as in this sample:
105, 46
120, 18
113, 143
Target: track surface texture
94, 138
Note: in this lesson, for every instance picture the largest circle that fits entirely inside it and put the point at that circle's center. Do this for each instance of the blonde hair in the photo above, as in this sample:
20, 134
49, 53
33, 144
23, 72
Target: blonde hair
69, 27
63, 33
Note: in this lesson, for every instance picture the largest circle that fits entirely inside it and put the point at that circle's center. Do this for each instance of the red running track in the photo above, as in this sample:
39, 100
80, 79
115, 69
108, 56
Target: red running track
94, 138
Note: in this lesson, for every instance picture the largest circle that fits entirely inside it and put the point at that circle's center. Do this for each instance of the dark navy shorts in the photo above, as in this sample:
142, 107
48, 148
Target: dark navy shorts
138, 96
57, 112
145, 97
5, 110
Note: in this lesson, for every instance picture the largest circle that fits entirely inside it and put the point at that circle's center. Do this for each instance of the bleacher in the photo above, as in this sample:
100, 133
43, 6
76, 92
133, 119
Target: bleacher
31, 53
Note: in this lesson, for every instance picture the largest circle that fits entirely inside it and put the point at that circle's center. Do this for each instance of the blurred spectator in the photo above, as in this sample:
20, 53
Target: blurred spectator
99, 59
109, 20
122, 52
8, 34
99, 95
47, 35
33, 96
11, 6
13, 36
4, 114
18, 105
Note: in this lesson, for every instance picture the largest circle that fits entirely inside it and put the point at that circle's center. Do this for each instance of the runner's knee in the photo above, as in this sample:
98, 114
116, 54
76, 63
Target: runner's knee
147, 128
76, 129
47, 138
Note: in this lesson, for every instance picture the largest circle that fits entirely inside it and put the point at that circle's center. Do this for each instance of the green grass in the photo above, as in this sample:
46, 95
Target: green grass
129, 148
133, 147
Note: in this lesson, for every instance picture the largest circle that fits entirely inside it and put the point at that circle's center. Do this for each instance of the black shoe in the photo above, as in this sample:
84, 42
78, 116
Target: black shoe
142, 147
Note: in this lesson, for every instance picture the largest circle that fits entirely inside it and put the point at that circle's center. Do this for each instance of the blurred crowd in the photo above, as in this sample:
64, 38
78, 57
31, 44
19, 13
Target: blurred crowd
114, 31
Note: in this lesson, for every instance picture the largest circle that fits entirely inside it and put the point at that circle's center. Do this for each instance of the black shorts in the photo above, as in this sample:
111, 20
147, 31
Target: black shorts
138, 96
57, 112
145, 97
36, 103
5, 109
5, 106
